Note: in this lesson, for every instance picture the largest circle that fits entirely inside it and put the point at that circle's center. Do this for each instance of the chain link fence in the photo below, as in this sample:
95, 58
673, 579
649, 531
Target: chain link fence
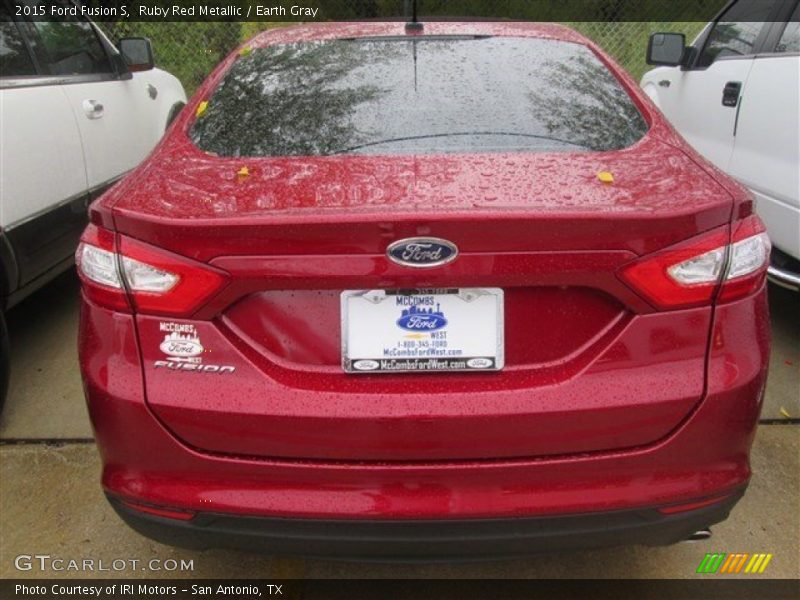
191, 50
627, 41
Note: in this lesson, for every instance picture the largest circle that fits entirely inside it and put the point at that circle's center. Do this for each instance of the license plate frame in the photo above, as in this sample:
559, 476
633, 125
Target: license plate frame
462, 352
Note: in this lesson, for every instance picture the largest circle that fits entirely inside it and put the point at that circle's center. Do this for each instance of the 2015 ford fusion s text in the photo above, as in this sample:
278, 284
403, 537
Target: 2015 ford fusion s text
450, 293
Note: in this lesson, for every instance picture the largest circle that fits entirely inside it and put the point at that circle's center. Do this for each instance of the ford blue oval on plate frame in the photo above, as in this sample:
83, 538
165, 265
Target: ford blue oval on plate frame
395, 331
422, 252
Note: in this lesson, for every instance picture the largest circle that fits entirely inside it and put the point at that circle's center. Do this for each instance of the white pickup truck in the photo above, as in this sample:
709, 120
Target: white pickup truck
76, 114
734, 94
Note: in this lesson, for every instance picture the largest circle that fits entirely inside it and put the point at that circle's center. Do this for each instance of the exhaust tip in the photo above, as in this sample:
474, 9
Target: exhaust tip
699, 536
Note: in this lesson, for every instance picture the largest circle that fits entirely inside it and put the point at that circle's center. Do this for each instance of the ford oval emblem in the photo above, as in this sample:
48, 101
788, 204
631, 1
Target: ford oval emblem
366, 365
181, 347
422, 252
422, 322
480, 363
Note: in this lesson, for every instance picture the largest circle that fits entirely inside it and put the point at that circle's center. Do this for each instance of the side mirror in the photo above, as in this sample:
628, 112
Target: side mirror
666, 49
138, 53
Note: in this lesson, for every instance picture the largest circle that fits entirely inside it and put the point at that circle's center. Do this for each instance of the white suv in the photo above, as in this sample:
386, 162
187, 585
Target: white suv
76, 114
734, 94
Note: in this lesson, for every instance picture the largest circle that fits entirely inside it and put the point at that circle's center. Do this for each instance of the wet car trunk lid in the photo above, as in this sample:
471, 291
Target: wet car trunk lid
590, 366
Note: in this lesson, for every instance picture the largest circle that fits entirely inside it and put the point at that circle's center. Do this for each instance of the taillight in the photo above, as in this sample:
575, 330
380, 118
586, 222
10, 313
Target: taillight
690, 273
125, 273
747, 267
98, 269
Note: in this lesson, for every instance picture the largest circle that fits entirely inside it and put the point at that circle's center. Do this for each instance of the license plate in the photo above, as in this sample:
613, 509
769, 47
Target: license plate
397, 331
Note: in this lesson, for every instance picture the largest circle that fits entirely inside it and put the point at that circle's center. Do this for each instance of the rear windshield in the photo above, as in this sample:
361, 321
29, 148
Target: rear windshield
417, 96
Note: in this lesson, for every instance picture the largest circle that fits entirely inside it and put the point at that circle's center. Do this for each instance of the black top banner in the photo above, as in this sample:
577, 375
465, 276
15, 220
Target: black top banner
355, 10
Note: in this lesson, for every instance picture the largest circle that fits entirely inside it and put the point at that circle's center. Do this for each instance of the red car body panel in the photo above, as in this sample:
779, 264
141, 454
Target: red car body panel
605, 402
353, 204
706, 456
582, 401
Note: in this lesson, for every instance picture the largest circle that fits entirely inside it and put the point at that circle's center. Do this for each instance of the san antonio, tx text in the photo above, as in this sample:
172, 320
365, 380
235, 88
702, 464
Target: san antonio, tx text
139, 590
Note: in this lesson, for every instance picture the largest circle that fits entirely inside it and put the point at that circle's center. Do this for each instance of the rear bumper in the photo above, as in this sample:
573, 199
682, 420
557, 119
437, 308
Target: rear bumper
706, 456
784, 270
784, 278
410, 540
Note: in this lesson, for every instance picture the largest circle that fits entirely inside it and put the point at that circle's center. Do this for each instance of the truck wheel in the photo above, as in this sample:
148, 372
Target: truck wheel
5, 360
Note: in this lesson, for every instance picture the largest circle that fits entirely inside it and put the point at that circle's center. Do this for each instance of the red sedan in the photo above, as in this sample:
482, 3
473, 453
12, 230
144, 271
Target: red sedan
391, 293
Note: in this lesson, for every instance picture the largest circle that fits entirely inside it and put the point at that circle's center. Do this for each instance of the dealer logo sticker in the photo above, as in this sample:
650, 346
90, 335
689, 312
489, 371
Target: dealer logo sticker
184, 350
180, 346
